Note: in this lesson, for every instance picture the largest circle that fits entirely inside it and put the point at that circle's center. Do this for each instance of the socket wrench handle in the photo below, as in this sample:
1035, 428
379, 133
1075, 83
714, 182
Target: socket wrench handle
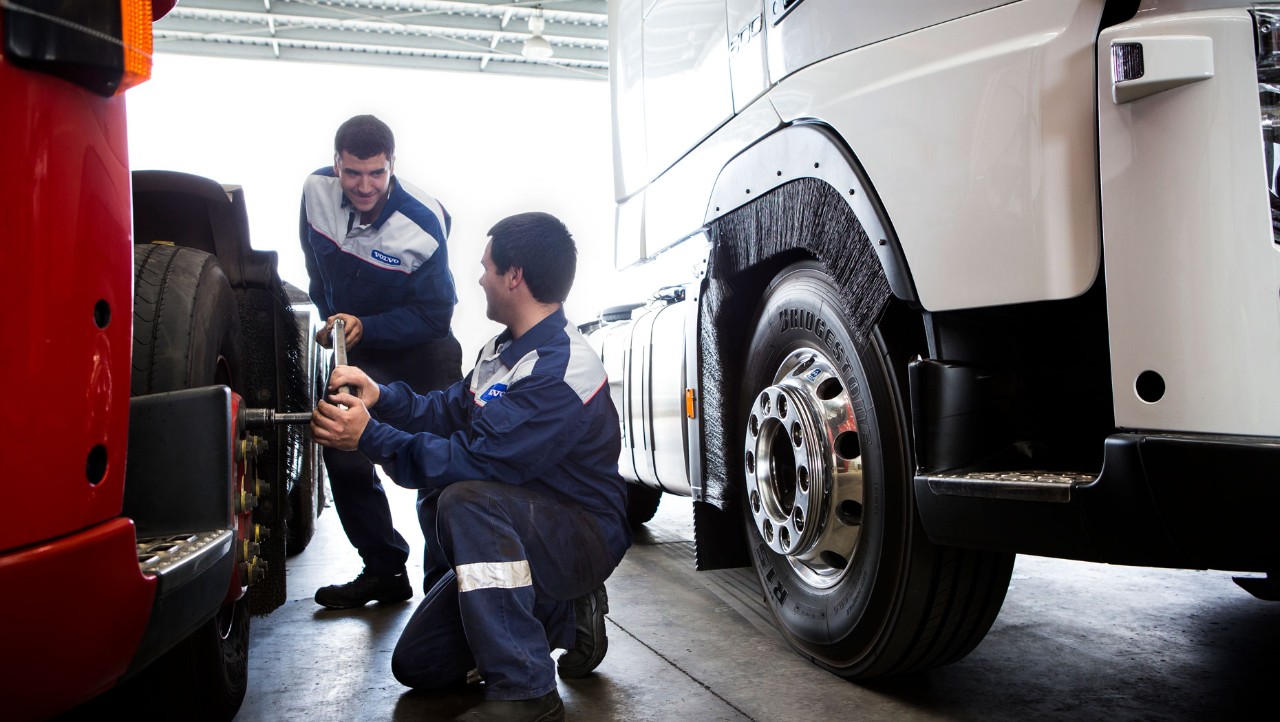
340, 351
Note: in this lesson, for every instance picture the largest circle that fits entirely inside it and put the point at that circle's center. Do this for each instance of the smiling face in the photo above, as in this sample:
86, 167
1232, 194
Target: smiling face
364, 182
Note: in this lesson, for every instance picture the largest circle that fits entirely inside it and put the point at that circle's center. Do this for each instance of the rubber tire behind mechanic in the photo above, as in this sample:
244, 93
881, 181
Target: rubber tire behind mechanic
898, 603
305, 501
642, 503
306, 495
185, 335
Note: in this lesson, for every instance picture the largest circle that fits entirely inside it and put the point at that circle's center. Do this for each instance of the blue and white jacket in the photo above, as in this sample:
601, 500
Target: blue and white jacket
392, 274
535, 412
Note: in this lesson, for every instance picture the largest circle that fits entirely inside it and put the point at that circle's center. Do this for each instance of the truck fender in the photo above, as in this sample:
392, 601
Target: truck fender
812, 150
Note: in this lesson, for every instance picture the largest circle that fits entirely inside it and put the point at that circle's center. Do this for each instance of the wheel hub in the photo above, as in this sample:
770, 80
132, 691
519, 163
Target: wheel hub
803, 467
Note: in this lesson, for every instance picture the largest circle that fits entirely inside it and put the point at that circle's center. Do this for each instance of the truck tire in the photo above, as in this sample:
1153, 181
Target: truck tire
185, 323
304, 502
642, 504
852, 580
185, 335
306, 494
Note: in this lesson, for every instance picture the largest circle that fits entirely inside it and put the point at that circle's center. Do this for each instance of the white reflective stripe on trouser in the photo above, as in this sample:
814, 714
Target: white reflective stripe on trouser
493, 575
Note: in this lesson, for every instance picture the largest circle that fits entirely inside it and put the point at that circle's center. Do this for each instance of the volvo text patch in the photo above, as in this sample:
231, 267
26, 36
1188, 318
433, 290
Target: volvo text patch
384, 258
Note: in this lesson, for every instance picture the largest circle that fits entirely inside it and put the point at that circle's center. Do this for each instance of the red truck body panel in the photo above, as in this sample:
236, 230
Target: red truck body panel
78, 607
73, 596
68, 268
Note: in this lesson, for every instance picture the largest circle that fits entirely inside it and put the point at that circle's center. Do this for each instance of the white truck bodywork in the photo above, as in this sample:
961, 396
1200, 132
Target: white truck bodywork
1054, 248
1193, 272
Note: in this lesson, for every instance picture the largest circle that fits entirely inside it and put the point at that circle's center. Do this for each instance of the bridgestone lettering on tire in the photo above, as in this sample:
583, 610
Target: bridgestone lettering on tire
185, 335
825, 463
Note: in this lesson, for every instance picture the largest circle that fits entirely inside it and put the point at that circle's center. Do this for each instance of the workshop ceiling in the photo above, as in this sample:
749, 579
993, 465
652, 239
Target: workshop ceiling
490, 36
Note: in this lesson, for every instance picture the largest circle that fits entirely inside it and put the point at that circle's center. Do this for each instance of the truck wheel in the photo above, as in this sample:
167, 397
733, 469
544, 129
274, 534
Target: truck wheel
642, 504
185, 335
185, 322
307, 497
207, 674
851, 579
304, 501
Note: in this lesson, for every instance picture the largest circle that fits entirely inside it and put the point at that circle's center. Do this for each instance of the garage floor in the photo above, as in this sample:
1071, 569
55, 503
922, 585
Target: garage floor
1073, 642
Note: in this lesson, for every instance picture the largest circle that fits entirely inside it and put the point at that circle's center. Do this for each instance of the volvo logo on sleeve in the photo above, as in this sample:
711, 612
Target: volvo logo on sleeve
384, 258
493, 392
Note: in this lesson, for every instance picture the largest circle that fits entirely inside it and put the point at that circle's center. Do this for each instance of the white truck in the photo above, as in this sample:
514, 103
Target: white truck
945, 281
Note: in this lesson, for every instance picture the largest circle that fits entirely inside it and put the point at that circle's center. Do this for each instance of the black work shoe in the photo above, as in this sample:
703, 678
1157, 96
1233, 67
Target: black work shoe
365, 588
589, 640
547, 708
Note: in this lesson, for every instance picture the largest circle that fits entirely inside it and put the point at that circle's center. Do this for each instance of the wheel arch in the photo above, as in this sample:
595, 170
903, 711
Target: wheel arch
813, 150
805, 218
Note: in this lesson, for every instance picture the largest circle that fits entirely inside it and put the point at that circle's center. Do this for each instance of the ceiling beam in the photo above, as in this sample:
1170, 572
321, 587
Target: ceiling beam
457, 35
477, 35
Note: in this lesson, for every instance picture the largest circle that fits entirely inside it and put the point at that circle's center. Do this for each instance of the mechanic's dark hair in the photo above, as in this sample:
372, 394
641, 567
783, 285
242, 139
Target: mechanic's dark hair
540, 245
364, 136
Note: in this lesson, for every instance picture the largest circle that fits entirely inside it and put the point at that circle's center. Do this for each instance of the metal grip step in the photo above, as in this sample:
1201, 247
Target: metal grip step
178, 558
1045, 486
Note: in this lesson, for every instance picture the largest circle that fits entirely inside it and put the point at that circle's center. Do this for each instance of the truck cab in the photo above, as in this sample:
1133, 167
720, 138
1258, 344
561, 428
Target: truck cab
956, 281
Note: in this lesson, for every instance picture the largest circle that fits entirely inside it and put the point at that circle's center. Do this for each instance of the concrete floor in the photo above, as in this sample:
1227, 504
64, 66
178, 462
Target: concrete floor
1073, 642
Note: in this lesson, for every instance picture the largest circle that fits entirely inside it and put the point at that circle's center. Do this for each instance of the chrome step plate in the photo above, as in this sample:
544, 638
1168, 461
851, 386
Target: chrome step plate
1050, 486
177, 557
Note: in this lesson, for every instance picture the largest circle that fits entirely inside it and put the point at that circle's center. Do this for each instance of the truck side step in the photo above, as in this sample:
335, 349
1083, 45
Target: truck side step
178, 558
1046, 486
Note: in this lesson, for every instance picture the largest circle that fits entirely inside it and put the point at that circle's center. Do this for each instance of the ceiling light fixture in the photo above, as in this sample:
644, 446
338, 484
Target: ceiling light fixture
536, 47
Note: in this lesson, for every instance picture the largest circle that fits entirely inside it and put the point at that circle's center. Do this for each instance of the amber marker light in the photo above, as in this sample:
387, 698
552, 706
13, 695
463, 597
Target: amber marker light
104, 47
138, 42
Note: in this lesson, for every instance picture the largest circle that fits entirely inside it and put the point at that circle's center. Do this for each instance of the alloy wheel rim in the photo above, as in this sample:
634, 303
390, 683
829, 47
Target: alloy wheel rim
803, 468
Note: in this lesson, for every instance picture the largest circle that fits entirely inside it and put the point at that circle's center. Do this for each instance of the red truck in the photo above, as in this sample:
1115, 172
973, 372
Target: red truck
146, 516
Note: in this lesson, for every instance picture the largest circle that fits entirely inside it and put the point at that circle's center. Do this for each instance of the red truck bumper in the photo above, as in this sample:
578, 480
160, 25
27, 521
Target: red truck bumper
74, 611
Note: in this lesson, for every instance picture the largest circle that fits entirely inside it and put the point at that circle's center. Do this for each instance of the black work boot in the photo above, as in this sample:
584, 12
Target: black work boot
547, 708
365, 588
589, 640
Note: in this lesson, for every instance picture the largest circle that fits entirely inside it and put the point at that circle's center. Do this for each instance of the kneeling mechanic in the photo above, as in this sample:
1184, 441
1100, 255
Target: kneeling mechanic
531, 517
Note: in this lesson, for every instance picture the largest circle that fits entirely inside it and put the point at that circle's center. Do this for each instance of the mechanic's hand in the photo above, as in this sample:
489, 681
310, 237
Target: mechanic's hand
355, 330
361, 386
336, 427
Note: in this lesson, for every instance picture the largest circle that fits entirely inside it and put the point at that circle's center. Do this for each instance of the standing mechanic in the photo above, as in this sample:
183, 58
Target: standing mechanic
376, 254
531, 518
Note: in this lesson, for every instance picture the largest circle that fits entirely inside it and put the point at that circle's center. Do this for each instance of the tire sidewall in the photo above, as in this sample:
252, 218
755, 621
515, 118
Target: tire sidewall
193, 332
642, 504
802, 309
